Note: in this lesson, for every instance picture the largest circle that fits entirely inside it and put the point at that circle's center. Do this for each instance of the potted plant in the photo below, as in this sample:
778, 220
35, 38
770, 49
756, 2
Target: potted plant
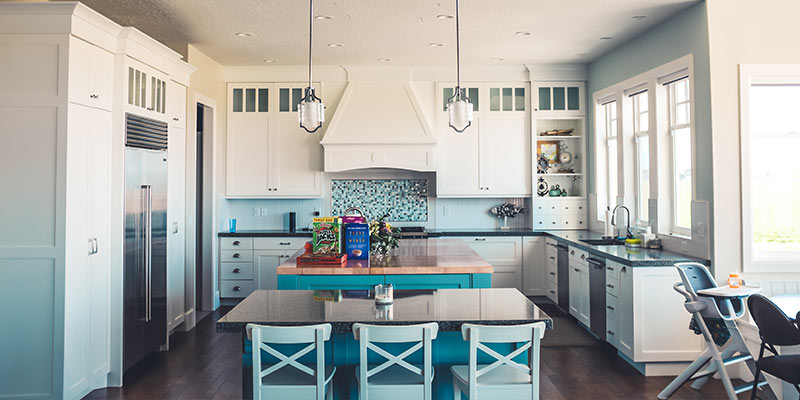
382, 237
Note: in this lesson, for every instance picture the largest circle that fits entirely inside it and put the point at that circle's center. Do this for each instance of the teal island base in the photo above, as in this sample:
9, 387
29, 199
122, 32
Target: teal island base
366, 282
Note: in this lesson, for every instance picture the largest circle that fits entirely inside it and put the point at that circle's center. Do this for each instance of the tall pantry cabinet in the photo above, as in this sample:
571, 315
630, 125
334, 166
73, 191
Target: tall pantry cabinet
61, 211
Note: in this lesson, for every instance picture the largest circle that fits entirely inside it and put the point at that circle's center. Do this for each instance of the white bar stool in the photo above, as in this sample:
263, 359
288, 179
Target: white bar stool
504, 378
395, 378
275, 381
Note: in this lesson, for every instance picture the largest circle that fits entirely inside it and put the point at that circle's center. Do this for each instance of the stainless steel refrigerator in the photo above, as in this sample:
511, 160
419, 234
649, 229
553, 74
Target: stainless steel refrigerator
145, 267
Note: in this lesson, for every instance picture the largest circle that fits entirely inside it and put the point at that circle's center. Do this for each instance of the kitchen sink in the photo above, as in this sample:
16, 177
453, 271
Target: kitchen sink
604, 242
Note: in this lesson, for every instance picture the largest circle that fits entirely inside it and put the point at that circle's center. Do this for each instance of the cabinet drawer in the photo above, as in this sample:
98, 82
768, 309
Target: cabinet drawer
552, 290
498, 251
612, 271
612, 288
236, 255
235, 288
546, 222
578, 255
611, 332
236, 270
611, 307
235, 243
552, 272
291, 244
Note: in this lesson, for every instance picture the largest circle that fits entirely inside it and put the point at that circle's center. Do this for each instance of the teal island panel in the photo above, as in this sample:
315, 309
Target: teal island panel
364, 282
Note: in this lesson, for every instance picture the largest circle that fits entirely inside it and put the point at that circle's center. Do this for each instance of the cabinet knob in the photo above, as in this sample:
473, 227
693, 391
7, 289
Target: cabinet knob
236, 255
175, 119
610, 332
583, 256
610, 308
236, 270
236, 242
94, 96
610, 286
572, 252
480, 239
237, 288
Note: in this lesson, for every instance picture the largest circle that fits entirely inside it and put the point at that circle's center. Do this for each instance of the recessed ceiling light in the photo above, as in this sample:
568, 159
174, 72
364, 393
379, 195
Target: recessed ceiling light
639, 17
384, 59
498, 58
335, 45
444, 16
270, 60
434, 44
244, 34
606, 38
323, 17
522, 33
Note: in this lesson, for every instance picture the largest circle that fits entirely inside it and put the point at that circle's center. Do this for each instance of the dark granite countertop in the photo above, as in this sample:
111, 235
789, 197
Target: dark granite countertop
629, 256
449, 307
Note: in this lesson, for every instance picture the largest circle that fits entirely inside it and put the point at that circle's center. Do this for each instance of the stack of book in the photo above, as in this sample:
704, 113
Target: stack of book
321, 260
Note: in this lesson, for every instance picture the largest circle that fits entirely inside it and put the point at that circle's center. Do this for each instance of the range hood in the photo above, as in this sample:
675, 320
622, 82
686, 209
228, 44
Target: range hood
379, 125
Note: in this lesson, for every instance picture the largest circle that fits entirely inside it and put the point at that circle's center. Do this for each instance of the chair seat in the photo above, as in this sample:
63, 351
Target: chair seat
784, 367
290, 376
394, 375
502, 375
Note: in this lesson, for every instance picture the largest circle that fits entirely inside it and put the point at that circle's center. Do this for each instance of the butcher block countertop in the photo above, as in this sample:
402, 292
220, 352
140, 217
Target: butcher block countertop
413, 257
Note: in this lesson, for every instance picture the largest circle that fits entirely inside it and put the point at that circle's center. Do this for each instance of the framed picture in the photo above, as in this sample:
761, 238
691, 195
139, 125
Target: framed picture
549, 149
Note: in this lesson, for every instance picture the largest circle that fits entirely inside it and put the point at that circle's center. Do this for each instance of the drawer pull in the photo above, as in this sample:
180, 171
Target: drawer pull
610, 286
285, 243
552, 292
480, 239
572, 253
236, 255
553, 273
236, 270
610, 332
610, 308
577, 270
583, 256
610, 268
236, 243
237, 288
552, 258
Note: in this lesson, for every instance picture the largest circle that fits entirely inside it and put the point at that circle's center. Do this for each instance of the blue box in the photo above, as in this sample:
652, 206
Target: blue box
356, 241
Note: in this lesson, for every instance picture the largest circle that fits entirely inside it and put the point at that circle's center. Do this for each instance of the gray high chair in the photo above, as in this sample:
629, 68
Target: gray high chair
696, 277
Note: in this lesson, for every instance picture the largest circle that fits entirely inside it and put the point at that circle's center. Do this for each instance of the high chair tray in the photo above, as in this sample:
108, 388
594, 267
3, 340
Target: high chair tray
726, 291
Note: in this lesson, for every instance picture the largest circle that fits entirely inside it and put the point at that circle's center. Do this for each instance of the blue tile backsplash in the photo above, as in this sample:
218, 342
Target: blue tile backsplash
405, 200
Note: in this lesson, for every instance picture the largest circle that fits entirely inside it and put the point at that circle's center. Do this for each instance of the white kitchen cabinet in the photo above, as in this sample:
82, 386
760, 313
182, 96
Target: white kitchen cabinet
579, 297
146, 91
652, 324
535, 266
248, 264
504, 253
268, 154
491, 158
265, 265
176, 217
91, 77
559, 98
176, 106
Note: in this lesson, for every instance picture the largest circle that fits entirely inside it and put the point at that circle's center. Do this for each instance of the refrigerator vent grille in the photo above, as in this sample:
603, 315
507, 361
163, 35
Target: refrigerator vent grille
145, 133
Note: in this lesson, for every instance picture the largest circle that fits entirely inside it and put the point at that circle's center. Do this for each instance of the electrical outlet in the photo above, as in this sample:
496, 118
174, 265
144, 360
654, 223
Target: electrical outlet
263, 211
256, 212
316, 213
700, 230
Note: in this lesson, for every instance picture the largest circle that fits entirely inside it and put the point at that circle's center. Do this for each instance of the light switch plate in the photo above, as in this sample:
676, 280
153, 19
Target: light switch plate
263, 211
256, 211
446, 211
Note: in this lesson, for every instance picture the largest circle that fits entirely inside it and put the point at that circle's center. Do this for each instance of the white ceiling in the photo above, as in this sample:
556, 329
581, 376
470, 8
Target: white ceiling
561, 31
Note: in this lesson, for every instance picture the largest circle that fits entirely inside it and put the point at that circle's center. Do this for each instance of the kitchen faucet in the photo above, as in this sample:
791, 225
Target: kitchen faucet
628, 224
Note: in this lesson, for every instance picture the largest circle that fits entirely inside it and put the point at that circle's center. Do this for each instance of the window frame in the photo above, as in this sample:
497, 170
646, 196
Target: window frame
750, 74
672, 127
638, 134
611, 125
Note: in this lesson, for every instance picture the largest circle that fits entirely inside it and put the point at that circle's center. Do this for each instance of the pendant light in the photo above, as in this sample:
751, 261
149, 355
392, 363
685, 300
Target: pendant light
310, 111
459, 107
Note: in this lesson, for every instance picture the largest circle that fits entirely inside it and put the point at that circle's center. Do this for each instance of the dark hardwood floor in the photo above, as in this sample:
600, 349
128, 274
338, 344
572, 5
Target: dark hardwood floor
204, 364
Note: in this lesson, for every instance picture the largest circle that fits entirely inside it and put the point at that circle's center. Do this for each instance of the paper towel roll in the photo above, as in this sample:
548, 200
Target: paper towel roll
609, 229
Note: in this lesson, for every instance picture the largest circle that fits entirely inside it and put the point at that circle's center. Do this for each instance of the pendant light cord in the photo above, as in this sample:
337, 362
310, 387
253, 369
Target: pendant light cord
310, 33
458, 54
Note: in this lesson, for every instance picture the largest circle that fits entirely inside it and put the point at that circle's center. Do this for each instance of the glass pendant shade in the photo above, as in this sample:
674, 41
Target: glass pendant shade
311, 112
459, 111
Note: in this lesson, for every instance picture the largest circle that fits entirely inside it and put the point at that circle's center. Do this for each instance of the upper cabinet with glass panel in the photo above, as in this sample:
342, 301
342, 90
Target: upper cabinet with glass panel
505, 99
558, 98
249, 99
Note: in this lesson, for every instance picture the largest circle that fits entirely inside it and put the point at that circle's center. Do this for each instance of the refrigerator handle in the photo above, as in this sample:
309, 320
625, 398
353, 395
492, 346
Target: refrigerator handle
148, 251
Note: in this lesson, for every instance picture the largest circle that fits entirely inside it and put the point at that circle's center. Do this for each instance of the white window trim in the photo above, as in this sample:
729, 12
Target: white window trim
673, 126
754, 74
637, 135
654, 78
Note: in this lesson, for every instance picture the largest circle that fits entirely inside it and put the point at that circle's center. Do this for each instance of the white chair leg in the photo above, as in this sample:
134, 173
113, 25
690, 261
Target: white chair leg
456, 390
329, 390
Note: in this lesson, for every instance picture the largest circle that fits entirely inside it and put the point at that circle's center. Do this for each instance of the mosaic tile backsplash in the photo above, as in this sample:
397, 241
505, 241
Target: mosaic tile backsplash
405, 200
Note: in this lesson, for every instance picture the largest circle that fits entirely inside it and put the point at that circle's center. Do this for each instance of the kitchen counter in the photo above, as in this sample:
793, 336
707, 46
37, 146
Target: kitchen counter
449, 307
629, 256
413, 256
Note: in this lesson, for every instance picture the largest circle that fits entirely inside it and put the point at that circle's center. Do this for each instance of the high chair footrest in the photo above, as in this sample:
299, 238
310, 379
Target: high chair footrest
737, 359
747, 386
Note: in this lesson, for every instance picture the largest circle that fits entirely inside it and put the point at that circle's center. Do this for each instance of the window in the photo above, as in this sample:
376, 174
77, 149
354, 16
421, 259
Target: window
610, 111
770, 171
642, 159
679, 110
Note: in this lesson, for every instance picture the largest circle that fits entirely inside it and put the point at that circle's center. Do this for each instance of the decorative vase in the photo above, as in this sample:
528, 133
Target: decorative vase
505, 223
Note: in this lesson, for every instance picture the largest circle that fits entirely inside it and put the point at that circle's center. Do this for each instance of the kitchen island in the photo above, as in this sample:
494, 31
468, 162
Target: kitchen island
449, 308
416, 264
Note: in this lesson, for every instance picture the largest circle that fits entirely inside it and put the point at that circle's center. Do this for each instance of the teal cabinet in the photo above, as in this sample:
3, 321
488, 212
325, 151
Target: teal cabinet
449, 281
365, 282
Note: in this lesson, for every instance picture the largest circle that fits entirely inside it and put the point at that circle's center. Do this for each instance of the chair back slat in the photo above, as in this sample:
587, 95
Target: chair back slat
502, 333
774, 326
395, 333
262, 336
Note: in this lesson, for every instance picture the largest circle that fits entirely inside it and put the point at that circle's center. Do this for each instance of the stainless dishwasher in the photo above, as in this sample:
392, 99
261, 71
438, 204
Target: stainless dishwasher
563, 277
597, 296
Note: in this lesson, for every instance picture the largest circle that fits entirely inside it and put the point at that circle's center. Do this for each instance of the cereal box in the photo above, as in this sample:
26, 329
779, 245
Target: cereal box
356, 241
327, 235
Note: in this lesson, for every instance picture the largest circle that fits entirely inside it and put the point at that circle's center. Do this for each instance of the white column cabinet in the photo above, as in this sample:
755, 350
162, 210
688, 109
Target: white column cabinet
491, 158
265, 263
534, 267
268, 154
176, 217
579, 299
91, 75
